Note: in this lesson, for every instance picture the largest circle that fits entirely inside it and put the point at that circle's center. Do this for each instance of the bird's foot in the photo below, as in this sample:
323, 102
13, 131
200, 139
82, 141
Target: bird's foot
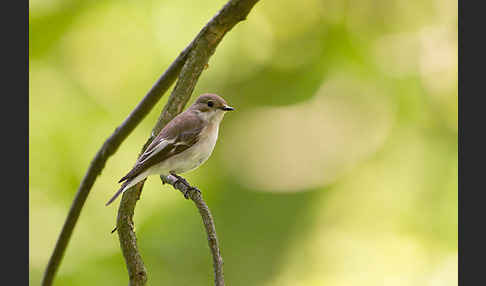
189, 189
180, 179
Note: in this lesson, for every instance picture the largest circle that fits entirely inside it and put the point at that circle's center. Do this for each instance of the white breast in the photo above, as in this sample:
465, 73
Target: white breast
205, 146
194, 156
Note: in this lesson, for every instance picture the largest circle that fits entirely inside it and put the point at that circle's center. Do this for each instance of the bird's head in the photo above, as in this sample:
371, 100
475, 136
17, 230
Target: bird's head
211, 106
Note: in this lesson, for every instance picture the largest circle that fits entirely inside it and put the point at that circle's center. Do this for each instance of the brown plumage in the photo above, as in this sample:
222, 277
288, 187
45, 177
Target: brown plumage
179, 135
182, 141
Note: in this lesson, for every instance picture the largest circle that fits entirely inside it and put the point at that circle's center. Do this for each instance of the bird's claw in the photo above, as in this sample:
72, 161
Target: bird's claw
180, 180
189, 188
186, 194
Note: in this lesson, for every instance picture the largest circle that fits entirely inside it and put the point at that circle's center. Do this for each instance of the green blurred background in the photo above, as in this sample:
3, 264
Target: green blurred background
339, 166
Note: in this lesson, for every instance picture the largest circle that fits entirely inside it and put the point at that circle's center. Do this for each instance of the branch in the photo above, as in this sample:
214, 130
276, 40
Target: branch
195, 195
128, 241
203, 46
108, 148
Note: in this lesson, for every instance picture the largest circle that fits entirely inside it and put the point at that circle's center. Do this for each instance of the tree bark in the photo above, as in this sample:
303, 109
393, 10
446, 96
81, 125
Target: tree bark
203, 47
109, 148
199, 50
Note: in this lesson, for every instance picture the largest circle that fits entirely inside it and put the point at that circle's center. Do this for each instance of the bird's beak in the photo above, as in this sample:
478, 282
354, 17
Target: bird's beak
227, 108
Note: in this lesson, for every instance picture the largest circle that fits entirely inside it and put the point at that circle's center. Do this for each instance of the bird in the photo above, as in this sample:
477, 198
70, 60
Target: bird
185, 143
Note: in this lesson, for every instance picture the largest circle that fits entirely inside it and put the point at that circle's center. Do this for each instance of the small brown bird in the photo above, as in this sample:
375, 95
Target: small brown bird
182, 145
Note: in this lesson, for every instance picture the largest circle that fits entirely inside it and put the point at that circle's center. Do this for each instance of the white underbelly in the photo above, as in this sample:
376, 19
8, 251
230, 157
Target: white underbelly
192, 157
188, 159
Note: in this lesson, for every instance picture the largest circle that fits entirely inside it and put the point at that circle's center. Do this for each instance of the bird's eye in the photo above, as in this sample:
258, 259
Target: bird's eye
210, 103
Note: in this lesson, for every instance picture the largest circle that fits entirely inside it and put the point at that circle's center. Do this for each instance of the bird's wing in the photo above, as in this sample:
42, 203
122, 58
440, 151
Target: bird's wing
178, 135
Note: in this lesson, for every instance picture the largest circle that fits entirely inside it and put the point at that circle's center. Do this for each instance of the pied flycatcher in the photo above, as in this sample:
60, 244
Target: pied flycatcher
182, 145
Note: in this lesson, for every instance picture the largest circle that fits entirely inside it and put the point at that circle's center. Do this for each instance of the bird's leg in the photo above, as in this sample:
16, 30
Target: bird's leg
189, 188
180, 179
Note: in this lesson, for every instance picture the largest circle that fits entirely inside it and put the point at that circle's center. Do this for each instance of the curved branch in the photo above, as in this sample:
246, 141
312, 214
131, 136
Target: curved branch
128, 241
195, 195
204, 46
108, 148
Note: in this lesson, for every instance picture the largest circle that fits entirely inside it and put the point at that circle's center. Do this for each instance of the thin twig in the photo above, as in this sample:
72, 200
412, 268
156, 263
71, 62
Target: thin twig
238, 8
108, 148
204, 46
194, 194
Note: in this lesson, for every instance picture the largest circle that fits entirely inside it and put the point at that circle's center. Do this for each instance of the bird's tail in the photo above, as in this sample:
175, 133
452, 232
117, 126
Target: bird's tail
120, 191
